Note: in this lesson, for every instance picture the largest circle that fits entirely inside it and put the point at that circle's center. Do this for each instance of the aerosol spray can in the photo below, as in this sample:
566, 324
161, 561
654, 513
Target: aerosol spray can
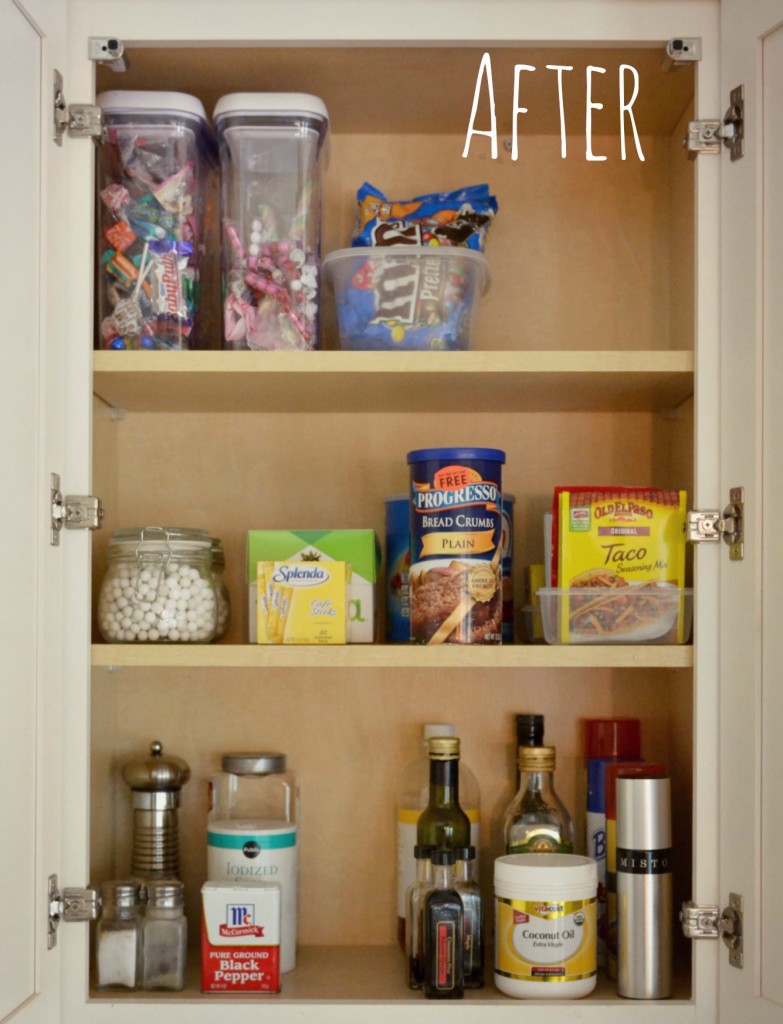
644, 888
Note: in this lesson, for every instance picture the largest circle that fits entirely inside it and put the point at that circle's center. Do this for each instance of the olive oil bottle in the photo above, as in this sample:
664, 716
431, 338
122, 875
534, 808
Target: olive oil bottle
536, 820
443, 824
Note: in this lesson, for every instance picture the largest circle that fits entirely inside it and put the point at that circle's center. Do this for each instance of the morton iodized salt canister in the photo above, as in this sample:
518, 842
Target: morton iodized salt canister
456, 545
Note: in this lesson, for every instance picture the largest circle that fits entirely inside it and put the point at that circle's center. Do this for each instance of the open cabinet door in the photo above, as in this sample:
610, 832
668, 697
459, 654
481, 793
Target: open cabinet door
32, 447
751, 644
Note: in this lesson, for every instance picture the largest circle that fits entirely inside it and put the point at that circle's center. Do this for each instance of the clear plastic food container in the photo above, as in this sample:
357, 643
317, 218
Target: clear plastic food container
407, 296
271, 158
157, 162
652, 613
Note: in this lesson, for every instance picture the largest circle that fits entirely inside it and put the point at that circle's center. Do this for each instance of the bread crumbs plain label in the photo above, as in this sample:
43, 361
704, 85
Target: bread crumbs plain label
301, 602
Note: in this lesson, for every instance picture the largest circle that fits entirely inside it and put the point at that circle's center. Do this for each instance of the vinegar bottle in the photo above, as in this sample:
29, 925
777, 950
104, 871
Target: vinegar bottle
444, 925
412, 797
414, 918
470, 894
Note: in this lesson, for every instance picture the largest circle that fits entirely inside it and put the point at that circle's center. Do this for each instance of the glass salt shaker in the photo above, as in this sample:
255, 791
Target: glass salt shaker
118, 936
165, 936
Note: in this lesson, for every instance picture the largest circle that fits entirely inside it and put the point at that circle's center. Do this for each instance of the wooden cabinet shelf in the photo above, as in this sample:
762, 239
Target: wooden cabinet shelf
534, 381
380, 656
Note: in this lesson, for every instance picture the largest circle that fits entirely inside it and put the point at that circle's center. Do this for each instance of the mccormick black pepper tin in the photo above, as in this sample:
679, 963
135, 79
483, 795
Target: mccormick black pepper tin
456, 535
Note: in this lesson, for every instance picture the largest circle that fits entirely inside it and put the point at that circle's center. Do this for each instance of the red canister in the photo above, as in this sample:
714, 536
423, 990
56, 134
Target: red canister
456, 545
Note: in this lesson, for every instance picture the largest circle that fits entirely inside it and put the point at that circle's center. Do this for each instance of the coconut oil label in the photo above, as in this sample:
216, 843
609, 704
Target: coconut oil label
545, 941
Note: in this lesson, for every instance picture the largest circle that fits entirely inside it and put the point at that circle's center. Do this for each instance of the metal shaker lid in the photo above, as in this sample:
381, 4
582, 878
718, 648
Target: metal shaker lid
165, 893
121, 893
264, 763
156, 773
644, 819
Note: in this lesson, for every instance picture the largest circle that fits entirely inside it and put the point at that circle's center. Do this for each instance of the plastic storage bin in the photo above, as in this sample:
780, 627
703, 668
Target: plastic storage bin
271, 156
157, 163
642, 614
406, 297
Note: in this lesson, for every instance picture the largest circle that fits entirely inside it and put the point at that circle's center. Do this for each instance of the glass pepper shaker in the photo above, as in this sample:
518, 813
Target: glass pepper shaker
118, 936
165, 936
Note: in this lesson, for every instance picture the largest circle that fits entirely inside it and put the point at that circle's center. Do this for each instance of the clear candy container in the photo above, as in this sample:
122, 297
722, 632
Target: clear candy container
157, 162
158, 587
271, 155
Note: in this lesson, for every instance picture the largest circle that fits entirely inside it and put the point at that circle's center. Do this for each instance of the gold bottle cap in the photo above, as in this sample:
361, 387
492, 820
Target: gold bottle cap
443, 748
537, 759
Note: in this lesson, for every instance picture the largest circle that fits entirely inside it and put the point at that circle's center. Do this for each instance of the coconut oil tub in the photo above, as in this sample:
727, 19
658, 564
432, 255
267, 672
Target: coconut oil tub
545, 925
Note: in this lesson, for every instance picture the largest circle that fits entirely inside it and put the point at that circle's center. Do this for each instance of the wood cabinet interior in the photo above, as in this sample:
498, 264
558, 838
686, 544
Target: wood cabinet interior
585, 257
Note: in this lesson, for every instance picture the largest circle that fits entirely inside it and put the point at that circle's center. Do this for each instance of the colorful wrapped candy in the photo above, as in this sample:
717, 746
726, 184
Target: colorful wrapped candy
154, 163
462, 217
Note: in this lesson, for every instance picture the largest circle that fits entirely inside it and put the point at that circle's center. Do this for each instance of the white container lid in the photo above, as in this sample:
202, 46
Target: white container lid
280, 103
545, 875
130, 101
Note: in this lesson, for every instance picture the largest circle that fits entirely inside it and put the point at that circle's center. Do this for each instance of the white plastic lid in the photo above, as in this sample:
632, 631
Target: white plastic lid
281, 103
529, 876
129, 101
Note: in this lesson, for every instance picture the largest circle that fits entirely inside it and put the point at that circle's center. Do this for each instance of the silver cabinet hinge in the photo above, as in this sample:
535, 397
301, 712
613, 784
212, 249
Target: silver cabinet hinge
70, 905
82, 120
707, 921
710, 526
74, 511
706, 136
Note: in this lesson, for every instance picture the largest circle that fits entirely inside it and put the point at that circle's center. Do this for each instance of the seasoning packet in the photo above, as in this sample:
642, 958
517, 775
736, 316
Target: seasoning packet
462, 217
619, 561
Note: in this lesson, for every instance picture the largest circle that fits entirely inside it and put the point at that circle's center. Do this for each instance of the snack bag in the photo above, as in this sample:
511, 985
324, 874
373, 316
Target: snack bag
462, 218
620, 564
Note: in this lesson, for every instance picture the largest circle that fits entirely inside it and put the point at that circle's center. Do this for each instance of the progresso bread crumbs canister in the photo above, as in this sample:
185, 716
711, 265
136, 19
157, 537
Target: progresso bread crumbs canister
456, 545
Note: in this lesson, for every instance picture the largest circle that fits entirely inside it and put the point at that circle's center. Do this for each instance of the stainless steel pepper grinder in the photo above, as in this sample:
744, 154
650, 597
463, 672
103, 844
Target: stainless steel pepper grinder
155, 783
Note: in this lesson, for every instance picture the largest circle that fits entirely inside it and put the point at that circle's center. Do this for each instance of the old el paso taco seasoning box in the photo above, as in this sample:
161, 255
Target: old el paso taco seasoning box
620, 561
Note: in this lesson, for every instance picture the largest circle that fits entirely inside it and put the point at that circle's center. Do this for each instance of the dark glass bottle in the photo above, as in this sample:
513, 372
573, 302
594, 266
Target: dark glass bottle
414, 915
530, 730
470, 894
443, 824
444, 925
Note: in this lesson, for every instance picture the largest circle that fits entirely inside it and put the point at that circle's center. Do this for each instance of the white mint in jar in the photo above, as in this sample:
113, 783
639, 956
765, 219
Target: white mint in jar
158, 587
545, 925
252, 833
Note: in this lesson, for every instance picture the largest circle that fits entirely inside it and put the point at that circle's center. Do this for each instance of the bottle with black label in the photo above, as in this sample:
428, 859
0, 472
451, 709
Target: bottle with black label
470, 894
536, 820
444, 925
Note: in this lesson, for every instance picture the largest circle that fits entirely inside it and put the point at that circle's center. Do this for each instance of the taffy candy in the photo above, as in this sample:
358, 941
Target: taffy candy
462, 217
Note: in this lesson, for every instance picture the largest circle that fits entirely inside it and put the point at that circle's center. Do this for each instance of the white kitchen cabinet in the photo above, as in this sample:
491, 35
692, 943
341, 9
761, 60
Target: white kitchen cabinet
597, 353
